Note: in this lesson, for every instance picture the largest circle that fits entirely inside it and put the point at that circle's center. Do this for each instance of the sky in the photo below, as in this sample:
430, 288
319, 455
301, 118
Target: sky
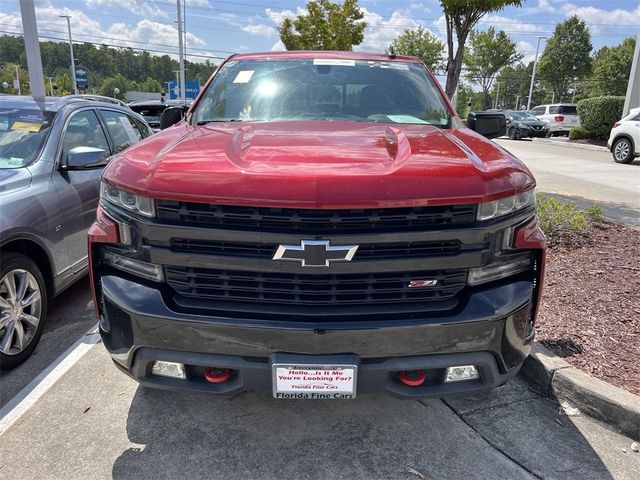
217, 28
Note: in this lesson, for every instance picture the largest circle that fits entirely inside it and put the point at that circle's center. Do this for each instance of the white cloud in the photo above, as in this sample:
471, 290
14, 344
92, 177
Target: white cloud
144, 34
259, 29
510, 25
380, 32
278, 47
528, 50
140, 7
598, 18
544, 6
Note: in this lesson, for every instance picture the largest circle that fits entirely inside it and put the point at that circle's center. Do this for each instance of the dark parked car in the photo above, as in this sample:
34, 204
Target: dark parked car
151, 110
524, 125
52, 154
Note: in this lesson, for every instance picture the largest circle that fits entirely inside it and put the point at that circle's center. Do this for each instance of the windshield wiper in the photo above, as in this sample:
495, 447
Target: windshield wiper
204, 122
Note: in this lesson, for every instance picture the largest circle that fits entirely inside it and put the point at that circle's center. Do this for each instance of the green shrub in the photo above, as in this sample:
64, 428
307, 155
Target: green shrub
579, 133
563, 223
597, 115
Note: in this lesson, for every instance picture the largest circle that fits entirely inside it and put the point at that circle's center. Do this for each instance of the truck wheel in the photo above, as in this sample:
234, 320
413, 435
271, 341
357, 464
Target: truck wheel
622, 151
23, 308
513, 134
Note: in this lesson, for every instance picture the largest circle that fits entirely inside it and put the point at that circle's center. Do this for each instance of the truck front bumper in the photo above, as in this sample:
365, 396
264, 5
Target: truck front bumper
493, 332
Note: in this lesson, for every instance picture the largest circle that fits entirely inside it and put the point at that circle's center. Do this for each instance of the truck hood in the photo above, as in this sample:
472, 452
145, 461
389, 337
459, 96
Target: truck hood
14, 179
319, 165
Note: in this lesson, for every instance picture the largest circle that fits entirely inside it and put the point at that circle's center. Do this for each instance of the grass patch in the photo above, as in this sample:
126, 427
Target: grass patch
564, 223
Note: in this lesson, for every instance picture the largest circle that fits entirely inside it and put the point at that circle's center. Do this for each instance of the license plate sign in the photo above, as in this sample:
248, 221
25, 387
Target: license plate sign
319, 382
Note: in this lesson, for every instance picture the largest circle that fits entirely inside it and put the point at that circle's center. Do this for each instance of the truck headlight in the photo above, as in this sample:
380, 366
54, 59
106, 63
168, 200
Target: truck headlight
134, 203
505, 267
136, 267
505, 206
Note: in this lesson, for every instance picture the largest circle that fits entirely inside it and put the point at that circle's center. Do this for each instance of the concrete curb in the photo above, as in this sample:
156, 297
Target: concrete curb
553, 377
581, 146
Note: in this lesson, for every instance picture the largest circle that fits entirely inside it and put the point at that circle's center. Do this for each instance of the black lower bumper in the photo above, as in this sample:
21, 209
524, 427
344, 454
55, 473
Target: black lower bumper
492, 332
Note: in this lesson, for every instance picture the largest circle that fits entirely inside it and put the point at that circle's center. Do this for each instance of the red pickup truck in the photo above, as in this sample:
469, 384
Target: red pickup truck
319, 225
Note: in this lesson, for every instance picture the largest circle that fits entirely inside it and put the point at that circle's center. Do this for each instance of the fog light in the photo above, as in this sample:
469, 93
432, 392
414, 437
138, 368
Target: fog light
168, 369
461, 373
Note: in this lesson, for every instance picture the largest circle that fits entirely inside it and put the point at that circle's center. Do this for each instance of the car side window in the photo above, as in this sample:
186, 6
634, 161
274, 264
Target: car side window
538, 111
554, 109
84, 130
123, 129
144, 130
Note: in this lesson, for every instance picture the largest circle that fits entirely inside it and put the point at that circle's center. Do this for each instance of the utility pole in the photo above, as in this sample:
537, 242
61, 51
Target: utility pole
517, 101
575, 87
32, 47
73, 61
533, 74
50, 86
495, 103
16, 83
182, 96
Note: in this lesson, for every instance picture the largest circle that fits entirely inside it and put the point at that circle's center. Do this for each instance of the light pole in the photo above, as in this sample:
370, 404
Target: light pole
181, 53
50, 86
73, 62
495, 103
16, 82
533, 74
116, 91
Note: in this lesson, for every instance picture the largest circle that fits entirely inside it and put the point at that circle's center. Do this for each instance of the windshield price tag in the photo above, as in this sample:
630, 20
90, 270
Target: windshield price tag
319, 382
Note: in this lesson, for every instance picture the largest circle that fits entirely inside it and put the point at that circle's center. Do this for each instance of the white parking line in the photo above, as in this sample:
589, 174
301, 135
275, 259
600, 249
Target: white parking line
30, 394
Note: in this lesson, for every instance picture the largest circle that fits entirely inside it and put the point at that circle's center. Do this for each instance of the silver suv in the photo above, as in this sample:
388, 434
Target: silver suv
561, 117
51, 157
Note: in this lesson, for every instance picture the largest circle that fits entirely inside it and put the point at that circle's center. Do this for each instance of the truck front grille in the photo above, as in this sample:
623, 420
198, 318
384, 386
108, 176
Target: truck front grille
314, 289
322, 222
372, 251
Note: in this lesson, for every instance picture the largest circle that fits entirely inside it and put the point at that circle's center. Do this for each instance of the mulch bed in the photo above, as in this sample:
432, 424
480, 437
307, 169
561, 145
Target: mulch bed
590, 313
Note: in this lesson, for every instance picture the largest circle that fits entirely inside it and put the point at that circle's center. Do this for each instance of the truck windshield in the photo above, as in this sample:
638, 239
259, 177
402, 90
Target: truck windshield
22, 134
323, 89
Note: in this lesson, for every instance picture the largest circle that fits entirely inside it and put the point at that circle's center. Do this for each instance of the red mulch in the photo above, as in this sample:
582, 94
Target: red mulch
590, 313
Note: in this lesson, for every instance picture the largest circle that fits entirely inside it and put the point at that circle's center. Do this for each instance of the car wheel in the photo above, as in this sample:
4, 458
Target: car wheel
513, 134
548, 134
23, 308
622, 151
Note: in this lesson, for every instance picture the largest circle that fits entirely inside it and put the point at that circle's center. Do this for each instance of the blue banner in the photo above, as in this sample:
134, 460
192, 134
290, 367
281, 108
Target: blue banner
82, 77
192, 89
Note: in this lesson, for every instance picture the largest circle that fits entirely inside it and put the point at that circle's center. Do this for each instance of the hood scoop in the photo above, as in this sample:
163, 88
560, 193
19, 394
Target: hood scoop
256, 148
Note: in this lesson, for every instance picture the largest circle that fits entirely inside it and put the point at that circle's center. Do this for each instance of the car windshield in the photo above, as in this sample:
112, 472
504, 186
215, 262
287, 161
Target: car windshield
523, 115
323, 89
22, 135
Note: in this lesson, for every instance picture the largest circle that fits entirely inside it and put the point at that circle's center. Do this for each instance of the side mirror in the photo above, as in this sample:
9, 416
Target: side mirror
170, 116
83, 158
489, 124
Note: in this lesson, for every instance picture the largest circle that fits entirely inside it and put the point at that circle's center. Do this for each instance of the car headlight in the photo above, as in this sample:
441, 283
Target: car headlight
505, 206
134, 203
523, 125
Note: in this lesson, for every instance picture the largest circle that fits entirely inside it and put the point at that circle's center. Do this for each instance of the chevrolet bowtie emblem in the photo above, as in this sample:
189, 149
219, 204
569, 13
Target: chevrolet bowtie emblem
315, 253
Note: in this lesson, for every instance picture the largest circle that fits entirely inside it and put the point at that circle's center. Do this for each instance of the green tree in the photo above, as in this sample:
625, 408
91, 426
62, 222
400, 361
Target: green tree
461, 16
611, 67
566, 57
325, 26
468, 100
514, 86
423, 44
489, 52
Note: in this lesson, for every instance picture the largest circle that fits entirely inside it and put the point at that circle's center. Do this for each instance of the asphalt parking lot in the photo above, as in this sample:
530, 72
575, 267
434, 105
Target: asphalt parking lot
94, 422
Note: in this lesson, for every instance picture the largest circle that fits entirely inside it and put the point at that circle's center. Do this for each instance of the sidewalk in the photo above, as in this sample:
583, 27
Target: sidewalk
97, 423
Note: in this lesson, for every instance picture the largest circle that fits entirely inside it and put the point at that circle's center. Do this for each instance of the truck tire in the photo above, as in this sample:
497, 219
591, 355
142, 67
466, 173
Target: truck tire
622, 150
23, 308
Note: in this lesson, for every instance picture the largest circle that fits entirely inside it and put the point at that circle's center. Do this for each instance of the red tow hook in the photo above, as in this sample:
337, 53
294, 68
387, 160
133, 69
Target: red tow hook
217, 375
412, 378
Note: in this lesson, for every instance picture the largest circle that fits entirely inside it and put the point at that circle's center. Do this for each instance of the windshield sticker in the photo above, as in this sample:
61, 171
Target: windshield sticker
26, 126
405, 119
243, 76
399, 66
335, 62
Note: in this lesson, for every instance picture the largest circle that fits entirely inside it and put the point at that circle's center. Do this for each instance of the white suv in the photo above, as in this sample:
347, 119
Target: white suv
561, 117
624, 140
